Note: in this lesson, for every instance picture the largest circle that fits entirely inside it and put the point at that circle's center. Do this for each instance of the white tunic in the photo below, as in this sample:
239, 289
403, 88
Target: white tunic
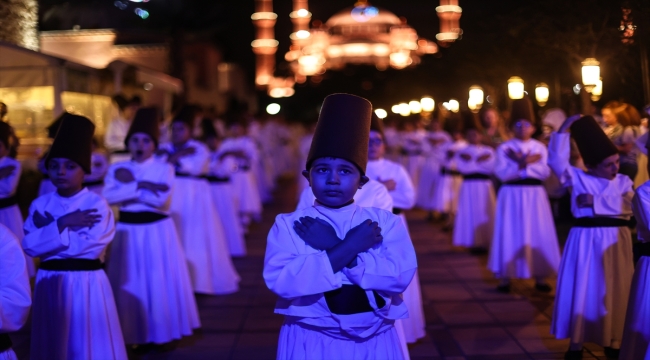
10, 216
373, 194
15, 293
74, 314
413, 147
147, 267
474, 223
244, 180
524, 244
636, 335
596, 269
447, 188
437, 142
199, 226
300, 274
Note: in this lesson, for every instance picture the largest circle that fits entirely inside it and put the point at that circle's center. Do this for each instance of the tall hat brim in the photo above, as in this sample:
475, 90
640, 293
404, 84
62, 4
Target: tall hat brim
343, 130
145, 121
594, 145
73, 141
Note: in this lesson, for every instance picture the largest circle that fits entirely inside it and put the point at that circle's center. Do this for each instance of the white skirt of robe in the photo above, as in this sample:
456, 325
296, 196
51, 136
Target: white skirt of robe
474, 223
299, 343
525, 243
414, 325
413, 165
223, 199
46, 187
429, 176
446, 193
248, 195
13, 220
8, 355
636, 336
593, 285
152, 287
202, 237
74, 317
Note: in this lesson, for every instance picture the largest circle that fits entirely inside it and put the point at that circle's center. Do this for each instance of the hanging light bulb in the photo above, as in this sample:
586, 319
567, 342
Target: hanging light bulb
590, 73
516, 88
415, 107
541, 94
476, 95
428, 105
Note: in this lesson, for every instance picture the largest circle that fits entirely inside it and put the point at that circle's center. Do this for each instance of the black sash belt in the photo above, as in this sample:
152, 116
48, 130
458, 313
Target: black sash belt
594, 222
217, 179
476, 176
5, 342
524, 182
641, 249
189, 176
93, 183
351, 299
72, 265
397, 211
9, 201
446, 171
140, 217
120, 152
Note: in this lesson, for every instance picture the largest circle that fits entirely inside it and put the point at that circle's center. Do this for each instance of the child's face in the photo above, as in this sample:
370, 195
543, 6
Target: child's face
141, 147
523, 129
334, 181
376, 146
180, 133
607, 169
65, 174
473, 137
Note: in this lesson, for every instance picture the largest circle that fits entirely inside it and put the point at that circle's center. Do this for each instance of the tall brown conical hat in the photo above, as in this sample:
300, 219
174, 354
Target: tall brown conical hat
53, 128
343, 130
522, 109
186, 115
74, 141
145, 121
594, 145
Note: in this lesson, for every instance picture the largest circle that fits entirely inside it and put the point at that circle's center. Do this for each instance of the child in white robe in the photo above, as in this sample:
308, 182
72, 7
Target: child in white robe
372, 194
596, 269
99, 167
15, 293
413, 147
147, 267
524, 244
73, 314
474, 224
339, 296
195, 214
436, 141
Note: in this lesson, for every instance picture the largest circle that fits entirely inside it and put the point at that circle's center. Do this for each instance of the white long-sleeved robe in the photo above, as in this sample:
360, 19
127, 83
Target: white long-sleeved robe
147, 268
74, 314
436, 142
447, 187
300, 274
15, 293
596, 269
199, 226
474, 223
245, 181
373, 194
525, 243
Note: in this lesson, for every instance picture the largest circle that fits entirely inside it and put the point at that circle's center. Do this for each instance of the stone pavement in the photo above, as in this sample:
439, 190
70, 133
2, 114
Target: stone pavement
466, 317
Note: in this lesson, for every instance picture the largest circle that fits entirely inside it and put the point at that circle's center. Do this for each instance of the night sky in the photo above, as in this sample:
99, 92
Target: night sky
541, 41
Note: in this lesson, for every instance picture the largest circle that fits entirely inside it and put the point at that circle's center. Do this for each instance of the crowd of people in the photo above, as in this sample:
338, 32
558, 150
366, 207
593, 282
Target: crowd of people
164, 204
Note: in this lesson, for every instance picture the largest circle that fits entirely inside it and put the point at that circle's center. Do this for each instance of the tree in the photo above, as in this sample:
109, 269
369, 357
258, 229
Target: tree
18, 22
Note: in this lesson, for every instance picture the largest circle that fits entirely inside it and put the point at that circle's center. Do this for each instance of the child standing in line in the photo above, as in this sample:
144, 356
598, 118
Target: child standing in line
474, 224
74, 314
339, 269
524, 244
147, 267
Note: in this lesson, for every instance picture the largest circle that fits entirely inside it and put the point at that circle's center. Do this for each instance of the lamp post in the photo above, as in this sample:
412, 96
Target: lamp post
542, 94
516, 88
590, 73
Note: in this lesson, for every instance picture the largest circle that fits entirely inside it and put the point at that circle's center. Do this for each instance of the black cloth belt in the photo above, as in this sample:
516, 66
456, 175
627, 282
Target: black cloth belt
397, 211
594, 222
93, 183
120, 152
190, 176
524, 182
217, 179
446, 171
72, 265
8, 201
476, 176
140, 217
641, 249
5, 342
351, 299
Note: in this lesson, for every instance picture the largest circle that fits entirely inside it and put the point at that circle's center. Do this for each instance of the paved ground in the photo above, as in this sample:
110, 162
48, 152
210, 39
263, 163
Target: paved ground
466, 317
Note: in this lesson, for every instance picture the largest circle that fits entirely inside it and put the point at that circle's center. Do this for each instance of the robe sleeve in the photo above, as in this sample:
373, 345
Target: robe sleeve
404, 193
158, 201
539, 170
15, 293
291, 274
116, 192
505, 169
9, 184
43, 241
641, 207
382, 199
486, 166
615, 203
391, 266
559, 157
196, 164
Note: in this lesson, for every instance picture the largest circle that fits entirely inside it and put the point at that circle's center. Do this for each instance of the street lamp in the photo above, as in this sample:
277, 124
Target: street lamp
597, 91
454, 105
381, 113
415, 107
476, 95
404, 109
590, 73
273, 109
472, 105
541, 94
428, 105
516, 88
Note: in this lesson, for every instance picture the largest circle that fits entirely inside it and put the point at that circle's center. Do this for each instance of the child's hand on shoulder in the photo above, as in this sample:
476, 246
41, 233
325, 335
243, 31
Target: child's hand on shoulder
365, 235
41, 221
316, 232
7, 171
